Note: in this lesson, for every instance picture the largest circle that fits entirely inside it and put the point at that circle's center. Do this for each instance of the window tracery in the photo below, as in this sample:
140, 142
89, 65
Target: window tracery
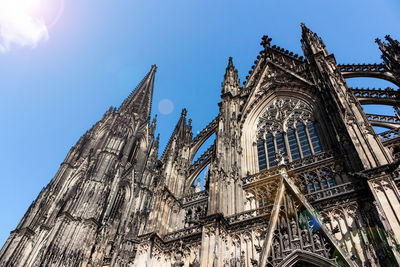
320, 179
286, 125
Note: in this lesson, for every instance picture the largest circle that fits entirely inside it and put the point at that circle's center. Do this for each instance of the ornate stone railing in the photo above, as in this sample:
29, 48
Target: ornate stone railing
259, 176
183, 233
250, 214
332, 191
291, 166
195, 197
362, 68
383, 118
389, 134
372, 95
310, 160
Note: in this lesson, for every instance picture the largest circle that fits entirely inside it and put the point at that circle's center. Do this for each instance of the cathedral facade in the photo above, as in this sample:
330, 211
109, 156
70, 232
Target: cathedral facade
296, 176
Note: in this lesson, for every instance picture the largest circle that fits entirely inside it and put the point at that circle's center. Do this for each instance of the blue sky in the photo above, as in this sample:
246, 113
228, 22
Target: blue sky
97, 51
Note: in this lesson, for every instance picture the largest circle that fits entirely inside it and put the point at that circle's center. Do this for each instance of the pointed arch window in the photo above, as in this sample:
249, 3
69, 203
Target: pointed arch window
270, 144
314, 138
293, 145
286, 125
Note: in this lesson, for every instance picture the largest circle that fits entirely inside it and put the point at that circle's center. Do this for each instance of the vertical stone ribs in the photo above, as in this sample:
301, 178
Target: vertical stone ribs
88, 202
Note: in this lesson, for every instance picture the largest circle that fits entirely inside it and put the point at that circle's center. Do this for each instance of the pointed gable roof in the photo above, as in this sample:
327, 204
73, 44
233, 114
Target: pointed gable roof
181, 133
276, 54
275, 66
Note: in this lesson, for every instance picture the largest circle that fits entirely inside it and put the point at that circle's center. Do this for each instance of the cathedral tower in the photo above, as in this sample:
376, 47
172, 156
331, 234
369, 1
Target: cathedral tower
296, 175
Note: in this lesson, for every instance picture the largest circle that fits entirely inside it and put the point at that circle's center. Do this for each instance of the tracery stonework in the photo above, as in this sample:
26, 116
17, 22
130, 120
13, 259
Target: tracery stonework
296, 176
283, 113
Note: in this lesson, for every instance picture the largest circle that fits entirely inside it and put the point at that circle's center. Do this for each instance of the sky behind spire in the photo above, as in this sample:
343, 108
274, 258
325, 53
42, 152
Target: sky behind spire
95, 53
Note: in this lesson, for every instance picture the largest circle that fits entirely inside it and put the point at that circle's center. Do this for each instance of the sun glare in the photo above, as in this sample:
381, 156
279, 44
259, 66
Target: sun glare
26, 22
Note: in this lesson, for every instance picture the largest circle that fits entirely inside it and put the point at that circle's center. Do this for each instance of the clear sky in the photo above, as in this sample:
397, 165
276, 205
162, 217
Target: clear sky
64, 63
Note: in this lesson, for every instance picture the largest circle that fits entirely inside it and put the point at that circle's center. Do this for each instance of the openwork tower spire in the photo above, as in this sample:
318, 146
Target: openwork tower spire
139, 101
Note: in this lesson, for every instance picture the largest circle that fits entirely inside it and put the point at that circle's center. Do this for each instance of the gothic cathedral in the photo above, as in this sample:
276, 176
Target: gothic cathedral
296, 176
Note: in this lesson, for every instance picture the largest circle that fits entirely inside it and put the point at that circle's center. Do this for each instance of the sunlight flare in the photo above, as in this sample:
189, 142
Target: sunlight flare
21, 24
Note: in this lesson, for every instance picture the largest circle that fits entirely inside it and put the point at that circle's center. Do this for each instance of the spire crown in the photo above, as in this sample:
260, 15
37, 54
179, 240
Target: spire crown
312, 44
140, 100
184, 112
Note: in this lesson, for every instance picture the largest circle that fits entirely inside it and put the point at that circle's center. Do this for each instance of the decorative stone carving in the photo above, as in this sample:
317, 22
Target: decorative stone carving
115, 202
281, 114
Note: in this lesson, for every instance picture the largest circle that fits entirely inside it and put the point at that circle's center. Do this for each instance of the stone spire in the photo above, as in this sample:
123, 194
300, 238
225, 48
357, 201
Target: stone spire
139, 101
176, 156
231, 79
312, 44
181, 134
391, 54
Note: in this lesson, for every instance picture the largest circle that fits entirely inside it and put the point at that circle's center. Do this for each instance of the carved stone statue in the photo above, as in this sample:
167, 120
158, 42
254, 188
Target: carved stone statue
293, 226
285, 241
277, 248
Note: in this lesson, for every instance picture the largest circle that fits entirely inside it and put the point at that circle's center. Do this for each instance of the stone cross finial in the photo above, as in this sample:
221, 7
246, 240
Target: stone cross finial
280, 158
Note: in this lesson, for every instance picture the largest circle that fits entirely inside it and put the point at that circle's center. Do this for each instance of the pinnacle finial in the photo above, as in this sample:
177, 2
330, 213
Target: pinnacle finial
231, 76
266, 41
184, 112
304, 28
153, 124
230, 63
155, 119
312, 44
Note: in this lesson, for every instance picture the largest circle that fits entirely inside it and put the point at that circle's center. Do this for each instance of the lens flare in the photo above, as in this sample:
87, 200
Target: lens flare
165, 106
26, 22
58, 15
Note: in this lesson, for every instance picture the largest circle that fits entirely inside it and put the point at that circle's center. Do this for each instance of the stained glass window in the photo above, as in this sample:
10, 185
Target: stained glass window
286, 125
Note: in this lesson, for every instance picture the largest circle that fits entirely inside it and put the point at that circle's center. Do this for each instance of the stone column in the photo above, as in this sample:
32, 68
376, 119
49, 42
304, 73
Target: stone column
387, 203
